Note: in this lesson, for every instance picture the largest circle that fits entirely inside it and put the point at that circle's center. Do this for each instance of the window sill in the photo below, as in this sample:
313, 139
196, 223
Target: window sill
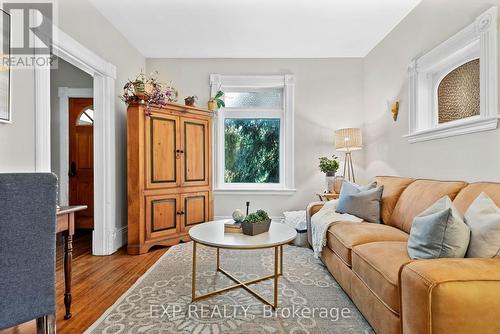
454, 129
279, 192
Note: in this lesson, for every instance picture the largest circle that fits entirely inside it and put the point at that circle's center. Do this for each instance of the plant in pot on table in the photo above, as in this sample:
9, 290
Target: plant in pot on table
330, 167
256, 223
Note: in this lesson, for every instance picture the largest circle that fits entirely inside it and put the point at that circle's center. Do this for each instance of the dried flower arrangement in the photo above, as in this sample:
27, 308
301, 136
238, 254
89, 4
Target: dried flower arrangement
146, 89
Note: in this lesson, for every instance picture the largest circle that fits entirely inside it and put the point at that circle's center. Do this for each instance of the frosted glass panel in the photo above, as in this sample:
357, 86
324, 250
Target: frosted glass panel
258, 99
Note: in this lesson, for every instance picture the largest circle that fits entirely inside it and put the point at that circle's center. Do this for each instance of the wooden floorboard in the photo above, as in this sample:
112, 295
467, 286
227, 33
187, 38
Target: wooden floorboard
98, 281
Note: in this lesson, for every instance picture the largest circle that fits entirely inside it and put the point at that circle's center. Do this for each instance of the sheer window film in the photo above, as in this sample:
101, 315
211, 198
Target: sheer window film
270, 98
252, 150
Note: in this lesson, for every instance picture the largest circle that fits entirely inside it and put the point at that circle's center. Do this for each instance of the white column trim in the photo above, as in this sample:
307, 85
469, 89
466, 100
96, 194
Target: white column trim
105, 235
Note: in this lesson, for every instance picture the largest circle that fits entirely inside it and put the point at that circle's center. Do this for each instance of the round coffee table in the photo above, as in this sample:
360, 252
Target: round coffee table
212, 234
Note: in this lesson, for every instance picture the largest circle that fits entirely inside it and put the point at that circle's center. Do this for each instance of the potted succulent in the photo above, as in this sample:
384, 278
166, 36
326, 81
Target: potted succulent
329, 167
190, 100
216, 102
256, 223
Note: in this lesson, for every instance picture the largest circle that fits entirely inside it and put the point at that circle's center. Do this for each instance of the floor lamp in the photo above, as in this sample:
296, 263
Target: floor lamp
348, 140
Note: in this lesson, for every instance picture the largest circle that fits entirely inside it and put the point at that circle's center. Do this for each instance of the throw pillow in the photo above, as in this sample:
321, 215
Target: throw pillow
363, 202
438, 232
483, 218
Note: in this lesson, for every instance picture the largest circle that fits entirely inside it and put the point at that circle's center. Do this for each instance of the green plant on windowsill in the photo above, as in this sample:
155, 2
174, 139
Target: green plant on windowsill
329, 166
216, 102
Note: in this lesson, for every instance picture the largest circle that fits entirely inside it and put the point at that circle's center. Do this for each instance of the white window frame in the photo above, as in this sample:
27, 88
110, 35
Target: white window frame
286, 116
478, 40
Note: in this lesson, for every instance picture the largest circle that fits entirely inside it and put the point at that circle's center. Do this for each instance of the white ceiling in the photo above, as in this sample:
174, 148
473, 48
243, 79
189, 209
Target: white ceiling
254, 28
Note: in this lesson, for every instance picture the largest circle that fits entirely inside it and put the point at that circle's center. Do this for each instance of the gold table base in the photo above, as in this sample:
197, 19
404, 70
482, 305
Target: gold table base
278, 253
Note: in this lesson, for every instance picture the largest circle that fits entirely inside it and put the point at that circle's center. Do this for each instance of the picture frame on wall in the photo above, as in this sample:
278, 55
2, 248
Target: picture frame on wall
5, 110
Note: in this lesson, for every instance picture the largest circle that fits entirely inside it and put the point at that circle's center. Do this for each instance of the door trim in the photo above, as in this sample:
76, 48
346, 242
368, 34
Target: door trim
107, 238
65, 93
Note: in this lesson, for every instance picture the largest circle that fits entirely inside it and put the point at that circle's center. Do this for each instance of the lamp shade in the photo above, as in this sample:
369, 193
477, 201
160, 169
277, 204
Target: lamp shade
349, 139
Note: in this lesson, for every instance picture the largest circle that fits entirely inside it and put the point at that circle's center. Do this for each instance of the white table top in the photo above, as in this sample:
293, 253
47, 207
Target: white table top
212, 234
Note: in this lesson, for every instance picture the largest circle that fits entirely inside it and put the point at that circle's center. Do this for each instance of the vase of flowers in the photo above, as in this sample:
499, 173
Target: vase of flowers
148, 90
329, 167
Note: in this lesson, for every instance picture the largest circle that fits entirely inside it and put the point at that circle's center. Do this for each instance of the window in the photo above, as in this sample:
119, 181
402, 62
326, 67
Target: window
453, 89
459, 94
86, 117
254, 134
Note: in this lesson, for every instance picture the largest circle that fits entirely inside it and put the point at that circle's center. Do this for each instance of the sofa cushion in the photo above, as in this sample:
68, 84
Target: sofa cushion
483, 219
439, 232
467, 195
418, 196
378, 264
362, 202
343, 236
393, 187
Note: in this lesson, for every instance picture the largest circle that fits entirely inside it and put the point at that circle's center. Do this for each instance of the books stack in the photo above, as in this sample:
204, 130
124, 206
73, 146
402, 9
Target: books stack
232, 227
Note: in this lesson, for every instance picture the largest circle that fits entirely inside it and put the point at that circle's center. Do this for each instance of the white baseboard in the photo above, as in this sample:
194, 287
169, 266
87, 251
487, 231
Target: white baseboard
120, 237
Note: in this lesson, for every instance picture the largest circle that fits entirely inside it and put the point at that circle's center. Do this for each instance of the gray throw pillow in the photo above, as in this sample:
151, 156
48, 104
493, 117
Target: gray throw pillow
483, 218
439, 232
363, 202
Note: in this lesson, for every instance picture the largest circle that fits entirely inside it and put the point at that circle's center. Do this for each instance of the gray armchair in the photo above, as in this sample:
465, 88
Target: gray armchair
27, 249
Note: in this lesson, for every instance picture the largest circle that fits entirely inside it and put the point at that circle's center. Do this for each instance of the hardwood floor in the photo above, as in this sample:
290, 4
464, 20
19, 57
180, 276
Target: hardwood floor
98, 281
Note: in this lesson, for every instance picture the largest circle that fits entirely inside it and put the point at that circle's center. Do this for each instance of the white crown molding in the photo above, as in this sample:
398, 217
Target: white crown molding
476, 41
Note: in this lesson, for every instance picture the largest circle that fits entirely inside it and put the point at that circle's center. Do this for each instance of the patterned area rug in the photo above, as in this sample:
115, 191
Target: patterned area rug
310, 300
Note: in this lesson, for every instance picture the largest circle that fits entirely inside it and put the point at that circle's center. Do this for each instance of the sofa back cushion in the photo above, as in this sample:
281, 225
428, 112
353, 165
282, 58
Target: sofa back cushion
419, 196
467, 195
393, 187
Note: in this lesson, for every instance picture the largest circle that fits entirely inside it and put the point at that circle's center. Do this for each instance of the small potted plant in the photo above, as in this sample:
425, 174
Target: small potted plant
329, 167
216, 102
190, 100
256, 223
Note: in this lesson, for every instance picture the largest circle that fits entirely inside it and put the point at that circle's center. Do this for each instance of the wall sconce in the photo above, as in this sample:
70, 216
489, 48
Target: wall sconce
394, 108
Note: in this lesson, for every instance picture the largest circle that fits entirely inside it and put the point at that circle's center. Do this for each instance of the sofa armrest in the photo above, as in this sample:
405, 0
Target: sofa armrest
312, 208
451, 296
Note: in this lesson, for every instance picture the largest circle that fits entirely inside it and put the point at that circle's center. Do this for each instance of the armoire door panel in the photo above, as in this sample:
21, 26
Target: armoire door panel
162, 216
162, 160
195, 208
195, 164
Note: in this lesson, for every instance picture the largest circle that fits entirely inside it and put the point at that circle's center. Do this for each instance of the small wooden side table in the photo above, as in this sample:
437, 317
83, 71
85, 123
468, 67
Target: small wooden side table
66, 226
325, 197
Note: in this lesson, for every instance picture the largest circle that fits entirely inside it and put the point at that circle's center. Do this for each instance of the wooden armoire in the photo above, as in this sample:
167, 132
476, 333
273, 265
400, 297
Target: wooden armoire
169, 154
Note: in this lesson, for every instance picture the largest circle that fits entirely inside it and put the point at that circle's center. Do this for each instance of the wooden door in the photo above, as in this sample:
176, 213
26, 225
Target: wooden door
195, 148
81, 159
162, 153
162, 212
195, 208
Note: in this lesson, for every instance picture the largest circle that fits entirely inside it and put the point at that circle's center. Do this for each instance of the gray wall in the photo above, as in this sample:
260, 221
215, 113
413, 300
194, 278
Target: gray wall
327, 96
66, 75
468, 157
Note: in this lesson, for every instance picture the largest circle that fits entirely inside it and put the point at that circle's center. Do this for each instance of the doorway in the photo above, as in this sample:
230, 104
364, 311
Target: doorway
81, 159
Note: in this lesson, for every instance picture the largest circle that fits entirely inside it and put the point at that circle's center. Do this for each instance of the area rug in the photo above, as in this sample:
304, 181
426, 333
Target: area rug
310, 300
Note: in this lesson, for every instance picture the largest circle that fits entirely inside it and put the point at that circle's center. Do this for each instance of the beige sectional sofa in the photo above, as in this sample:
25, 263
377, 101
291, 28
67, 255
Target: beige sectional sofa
398, 295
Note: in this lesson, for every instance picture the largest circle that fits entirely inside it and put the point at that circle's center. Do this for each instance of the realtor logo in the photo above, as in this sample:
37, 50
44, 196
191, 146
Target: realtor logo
31, 28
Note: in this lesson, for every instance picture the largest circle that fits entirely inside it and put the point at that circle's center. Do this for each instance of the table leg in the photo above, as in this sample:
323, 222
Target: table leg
276, 277
193, 279
281, 260
68, 259
218, 258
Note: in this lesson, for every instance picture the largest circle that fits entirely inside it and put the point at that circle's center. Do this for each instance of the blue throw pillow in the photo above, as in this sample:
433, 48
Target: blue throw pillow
361, 201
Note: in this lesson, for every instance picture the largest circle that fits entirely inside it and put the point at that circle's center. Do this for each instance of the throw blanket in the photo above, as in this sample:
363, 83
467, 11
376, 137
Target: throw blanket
322, 220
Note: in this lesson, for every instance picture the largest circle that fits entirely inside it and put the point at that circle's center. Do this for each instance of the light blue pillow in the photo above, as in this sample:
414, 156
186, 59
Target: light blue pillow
361, 201
439, 232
